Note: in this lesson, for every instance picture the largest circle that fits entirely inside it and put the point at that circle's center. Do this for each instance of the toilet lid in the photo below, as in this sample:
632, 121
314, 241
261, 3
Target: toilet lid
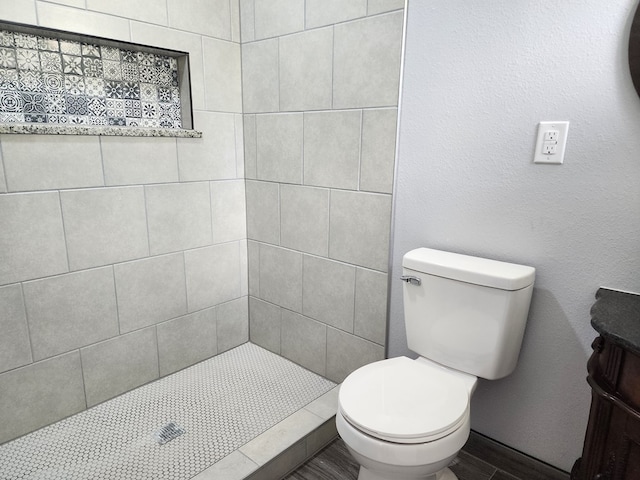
403, 401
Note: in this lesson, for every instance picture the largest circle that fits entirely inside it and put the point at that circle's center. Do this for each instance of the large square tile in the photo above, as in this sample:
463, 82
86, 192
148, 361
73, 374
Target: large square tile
146, 10
48, 162
54, 391
327, 12
304, 215
346, 353
15, 347
223, 82
208, 17
265, 324
328, 292
228, 210
379, 6
139, 160
150, 291
366, 64
104, 226
359, 225
306, 69
304, 341
233, 323
371, 305
378, 150
32, 241
279, 147
187, 340
260, 83
332, 149
278, 17
212, 157
119, 365
234, 466
213, 275
179, 216
70, 311
281, 277
263, 211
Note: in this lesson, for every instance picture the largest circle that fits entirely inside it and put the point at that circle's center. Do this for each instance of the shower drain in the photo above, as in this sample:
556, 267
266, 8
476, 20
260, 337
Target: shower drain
168, 433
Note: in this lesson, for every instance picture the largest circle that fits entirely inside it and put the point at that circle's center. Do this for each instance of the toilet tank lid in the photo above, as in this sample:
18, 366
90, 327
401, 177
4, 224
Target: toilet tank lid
465, 268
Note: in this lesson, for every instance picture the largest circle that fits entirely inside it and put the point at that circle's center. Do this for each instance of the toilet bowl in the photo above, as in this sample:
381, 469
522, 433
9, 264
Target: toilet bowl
465, 317
405, 419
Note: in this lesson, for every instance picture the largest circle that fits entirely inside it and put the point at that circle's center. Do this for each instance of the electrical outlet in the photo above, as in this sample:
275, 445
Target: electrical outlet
551, 142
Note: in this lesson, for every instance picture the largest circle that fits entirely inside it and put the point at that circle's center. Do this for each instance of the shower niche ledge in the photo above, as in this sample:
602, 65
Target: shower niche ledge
54, 82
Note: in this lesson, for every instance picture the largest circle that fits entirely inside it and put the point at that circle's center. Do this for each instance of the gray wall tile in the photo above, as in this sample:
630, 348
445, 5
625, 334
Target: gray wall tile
54, 391
263, 211
187, 340
3, 183
304, 214
104, 225
378, 150
32, 237
250, 147
139, 160
304, 341
222, 76
306, 67
239, 131
213, 275
260, 76
212, 157
366, 68
279, 147
234, 466
247, 21
179, 216
326, 12
228, 211
119, 365
233, 324
278, 17
359, 226
328, 292
332, 149
71, 311
150, 291
235, 21
212, 17
47, 162
265, 324
346, 353
15, 348
281, 277
371, 305
380, 6
253, 250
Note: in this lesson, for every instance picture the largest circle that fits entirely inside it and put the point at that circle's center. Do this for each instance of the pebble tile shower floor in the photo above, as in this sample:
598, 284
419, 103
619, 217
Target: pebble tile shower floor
220, 403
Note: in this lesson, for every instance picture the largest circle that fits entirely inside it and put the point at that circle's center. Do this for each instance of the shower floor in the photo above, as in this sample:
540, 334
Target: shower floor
225, 405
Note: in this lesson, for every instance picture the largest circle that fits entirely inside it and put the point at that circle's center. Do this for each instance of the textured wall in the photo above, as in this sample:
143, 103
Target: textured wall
122, 259
478, 79
320, 94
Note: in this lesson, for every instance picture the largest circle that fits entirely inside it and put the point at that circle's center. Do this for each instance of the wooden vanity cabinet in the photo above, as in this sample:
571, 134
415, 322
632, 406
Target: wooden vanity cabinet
612, 442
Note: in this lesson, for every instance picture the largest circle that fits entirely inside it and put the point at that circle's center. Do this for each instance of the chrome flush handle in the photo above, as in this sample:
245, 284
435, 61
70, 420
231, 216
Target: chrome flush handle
411, 280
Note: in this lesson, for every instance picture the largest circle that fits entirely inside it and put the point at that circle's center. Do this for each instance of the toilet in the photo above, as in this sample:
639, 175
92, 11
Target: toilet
465, 316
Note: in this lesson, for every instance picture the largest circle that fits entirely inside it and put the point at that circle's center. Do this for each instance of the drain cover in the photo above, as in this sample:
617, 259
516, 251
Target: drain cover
167, 433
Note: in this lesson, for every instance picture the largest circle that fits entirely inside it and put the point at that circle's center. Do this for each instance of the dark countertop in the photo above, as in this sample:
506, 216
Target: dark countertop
616, 316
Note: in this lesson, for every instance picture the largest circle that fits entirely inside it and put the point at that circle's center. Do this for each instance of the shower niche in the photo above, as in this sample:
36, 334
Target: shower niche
53, 81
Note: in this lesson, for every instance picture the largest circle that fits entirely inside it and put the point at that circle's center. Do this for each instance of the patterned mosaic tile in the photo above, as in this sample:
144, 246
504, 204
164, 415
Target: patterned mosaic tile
219, 404
57, 81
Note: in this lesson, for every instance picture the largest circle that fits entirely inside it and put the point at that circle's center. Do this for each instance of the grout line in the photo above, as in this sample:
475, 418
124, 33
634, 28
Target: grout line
360, 150
84, 384
115, 292
64, 233
146, 217
26, 318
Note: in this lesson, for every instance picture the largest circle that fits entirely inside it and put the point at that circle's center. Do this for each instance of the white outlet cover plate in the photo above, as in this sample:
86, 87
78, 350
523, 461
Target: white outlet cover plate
558, 157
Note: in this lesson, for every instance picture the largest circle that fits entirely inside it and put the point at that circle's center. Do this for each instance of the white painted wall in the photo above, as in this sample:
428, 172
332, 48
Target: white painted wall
479, 76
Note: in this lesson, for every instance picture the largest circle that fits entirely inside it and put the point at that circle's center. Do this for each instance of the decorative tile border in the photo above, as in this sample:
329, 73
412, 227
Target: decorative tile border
67, 83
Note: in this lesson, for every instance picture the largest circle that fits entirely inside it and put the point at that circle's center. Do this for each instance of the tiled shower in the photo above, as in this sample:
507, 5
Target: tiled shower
125, 259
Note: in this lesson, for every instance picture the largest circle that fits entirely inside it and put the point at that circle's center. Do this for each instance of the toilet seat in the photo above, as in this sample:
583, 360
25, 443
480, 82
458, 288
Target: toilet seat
404, 401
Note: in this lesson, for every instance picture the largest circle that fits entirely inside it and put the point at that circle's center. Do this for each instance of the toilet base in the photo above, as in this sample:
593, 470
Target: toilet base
445, 474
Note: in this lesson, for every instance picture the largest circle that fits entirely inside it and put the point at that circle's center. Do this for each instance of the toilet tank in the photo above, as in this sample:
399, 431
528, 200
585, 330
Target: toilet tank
467, 313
